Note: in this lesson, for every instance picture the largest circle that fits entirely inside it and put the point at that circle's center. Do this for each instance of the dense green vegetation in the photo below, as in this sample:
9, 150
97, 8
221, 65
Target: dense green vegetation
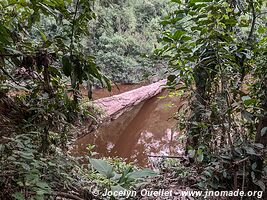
43, 48
215, 48
216, 53
124, 37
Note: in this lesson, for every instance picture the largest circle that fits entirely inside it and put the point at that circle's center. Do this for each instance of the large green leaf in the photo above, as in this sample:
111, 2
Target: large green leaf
141, 174
108, 84
177, 35
103, 167
117, 188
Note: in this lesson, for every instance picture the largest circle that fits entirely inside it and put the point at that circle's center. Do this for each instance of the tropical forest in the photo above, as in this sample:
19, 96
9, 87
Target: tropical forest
133, 99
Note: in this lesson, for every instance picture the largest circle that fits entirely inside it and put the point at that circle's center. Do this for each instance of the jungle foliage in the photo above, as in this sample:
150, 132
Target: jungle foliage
39, 45
217, 51
217, 54
44, 58
124, 36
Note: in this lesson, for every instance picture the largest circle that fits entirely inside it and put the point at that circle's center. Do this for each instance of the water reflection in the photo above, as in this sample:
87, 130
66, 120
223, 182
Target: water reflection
146, 130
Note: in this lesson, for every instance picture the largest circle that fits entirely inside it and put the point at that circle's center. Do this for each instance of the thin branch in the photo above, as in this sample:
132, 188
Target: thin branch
249, 41
250, 36
263, 13
162, 156
241, 161
244, 179
73, 26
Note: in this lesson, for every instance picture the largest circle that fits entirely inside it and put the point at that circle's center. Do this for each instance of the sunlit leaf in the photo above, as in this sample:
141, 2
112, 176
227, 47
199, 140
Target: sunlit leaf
102, 167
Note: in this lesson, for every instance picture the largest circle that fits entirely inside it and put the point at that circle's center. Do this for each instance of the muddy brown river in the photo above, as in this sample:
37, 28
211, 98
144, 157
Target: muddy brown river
147, 130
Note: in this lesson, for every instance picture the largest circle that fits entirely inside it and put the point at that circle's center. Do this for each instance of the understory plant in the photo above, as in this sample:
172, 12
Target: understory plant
216, 50
42, 63
119, 176
28, 174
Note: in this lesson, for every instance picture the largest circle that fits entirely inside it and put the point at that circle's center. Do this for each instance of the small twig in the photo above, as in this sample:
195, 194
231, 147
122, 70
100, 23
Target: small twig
241, 161
162, 156
7, 74
263, 13
254, 16
244, 178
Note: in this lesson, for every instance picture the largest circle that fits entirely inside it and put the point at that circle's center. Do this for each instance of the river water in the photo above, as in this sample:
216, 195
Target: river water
147, 130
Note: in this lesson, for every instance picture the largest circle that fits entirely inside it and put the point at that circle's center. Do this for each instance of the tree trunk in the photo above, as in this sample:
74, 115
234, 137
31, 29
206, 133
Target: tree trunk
116, 105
